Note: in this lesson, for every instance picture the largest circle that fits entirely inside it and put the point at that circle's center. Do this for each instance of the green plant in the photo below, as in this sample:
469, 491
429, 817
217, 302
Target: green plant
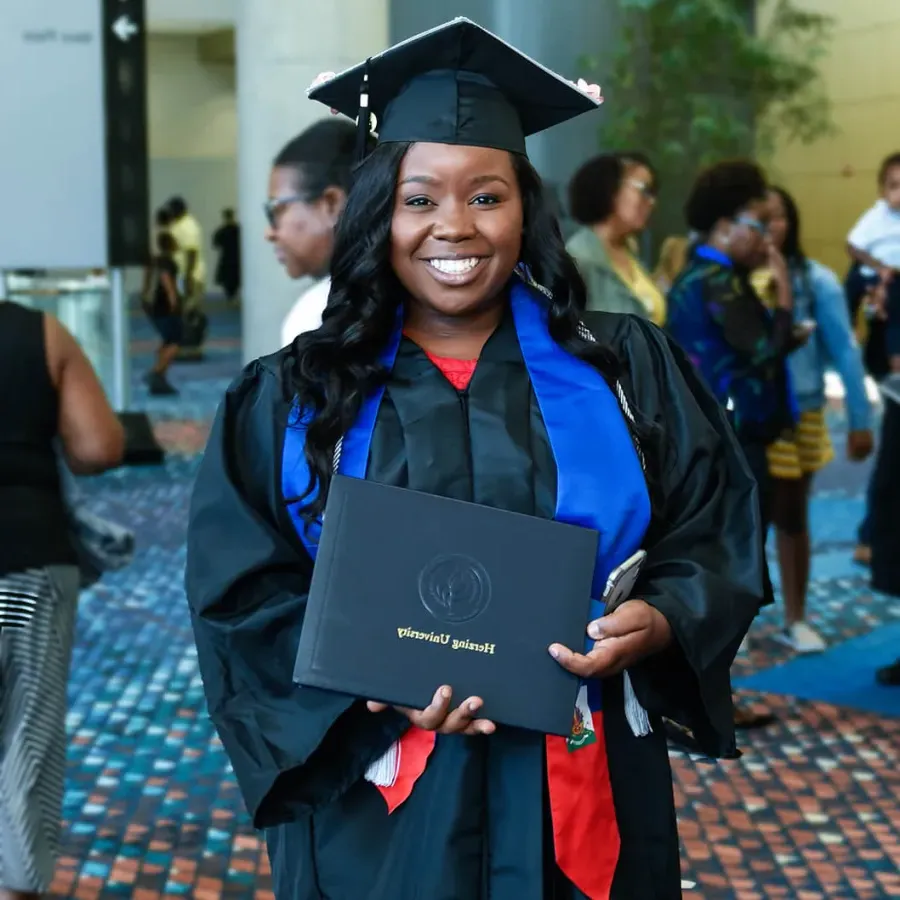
699, 80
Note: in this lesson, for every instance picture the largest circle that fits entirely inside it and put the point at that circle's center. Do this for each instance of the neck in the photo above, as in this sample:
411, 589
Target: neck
611, 233
455, 337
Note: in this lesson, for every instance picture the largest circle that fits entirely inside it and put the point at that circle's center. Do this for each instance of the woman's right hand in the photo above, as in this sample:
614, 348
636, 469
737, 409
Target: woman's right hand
439, 717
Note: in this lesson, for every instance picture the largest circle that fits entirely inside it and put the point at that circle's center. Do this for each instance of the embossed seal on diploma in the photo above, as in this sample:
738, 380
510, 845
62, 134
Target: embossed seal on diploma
454, 588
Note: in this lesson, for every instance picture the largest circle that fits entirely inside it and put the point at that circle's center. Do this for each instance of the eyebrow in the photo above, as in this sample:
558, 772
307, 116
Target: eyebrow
477, 181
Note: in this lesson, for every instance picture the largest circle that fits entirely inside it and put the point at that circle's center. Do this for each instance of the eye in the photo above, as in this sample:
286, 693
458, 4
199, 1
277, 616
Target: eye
418, 202
486, 200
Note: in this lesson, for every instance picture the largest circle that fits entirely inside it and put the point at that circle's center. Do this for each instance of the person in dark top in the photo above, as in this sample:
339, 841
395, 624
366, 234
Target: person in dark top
454, 358
49, 396
163, 305
227, 241
883, 505
738, 346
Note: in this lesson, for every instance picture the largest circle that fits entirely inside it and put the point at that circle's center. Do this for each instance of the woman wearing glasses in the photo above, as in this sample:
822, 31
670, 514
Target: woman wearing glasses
612, 197
714, 313
308, 189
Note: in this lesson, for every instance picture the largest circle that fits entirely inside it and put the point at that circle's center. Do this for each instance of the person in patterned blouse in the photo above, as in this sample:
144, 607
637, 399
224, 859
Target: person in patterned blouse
738, 345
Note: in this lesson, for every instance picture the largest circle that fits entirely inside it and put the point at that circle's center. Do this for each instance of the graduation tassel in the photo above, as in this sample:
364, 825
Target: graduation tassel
362, 123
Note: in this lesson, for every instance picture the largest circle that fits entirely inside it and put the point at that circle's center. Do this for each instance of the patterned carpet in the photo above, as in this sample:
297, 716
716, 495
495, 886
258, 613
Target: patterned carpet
811, 810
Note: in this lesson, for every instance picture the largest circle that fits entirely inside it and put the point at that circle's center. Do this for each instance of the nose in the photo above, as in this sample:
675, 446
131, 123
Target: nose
454, 223
270, 234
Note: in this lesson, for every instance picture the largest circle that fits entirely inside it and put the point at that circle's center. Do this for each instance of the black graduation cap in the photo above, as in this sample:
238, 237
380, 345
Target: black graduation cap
455, 84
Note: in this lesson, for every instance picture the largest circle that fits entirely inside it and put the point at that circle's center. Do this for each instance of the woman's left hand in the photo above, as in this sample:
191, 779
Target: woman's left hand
633, 632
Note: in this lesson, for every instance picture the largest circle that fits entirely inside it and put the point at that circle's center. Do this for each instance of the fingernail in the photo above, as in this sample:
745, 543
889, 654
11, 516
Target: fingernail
554, 652
595, 631
473, 705
445, 693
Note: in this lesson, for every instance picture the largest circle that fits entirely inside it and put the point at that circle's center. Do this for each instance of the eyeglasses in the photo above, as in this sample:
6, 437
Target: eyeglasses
646, 189
273, 206
753, 224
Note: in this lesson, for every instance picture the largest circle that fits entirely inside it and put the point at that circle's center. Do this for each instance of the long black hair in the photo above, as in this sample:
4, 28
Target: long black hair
331, 370
792, 250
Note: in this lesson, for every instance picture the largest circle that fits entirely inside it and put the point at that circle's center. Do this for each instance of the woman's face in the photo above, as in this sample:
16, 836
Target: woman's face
456, 234
778, 221
302, 232
635, 199
747, 235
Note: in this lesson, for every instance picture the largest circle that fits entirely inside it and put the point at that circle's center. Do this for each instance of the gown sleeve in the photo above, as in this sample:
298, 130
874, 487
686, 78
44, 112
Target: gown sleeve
293, 749
705, 564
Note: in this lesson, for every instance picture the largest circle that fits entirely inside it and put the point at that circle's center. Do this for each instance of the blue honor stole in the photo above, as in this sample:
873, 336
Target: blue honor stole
600, 480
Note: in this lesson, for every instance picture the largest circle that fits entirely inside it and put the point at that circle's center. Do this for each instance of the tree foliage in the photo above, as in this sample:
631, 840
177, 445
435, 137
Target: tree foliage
699, 80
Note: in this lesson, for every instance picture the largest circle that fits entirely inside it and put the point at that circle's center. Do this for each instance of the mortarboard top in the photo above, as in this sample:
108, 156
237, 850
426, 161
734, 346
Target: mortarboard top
456, 84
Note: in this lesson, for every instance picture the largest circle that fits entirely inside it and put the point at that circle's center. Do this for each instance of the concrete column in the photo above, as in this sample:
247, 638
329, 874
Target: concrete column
281, 46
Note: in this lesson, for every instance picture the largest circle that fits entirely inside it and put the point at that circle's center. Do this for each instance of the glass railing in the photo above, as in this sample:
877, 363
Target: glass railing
94, 312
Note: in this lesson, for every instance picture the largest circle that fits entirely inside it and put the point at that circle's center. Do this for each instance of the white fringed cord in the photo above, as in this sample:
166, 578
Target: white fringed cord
636, 715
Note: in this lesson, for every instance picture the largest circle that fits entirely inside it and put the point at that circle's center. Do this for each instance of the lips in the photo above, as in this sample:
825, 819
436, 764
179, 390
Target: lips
457, 271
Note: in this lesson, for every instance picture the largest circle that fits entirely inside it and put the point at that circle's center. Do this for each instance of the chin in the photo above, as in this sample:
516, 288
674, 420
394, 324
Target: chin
295, 272
462, 301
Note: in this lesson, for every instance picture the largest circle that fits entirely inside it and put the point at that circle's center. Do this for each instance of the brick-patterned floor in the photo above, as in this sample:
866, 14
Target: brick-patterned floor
811, 810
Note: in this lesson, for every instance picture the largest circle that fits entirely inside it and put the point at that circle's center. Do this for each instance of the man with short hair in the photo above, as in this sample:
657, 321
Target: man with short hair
192, 268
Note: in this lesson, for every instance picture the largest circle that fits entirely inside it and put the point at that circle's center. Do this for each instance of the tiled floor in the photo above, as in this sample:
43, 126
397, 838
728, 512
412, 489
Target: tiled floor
811, 810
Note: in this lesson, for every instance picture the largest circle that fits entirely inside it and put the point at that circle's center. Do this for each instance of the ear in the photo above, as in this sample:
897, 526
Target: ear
333, 201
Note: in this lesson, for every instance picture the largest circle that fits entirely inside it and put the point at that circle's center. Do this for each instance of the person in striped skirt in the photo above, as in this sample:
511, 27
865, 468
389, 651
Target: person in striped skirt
49, 395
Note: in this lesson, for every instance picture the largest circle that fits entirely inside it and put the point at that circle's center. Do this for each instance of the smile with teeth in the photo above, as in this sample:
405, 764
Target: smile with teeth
454, 266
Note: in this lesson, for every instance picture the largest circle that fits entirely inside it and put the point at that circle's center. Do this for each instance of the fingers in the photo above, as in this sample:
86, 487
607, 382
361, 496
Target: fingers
462, 720
605, 659
432, 717
631, 616
438, 717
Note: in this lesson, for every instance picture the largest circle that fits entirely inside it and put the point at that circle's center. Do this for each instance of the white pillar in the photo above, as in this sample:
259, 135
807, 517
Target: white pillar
281, 46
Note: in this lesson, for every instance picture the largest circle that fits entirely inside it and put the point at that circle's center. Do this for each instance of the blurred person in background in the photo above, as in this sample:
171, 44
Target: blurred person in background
308, 189
612, 197
874, 243
163, 220
50, 396
874, 247
885, 501
227, 241
191, 262
736, 343
793, 460
162, 304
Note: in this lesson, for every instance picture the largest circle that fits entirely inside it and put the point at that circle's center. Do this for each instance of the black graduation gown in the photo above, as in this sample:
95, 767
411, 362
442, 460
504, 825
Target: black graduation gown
477, 818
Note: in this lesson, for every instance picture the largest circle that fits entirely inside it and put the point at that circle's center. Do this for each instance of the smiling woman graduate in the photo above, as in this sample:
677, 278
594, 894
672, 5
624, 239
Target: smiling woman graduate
454, 359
